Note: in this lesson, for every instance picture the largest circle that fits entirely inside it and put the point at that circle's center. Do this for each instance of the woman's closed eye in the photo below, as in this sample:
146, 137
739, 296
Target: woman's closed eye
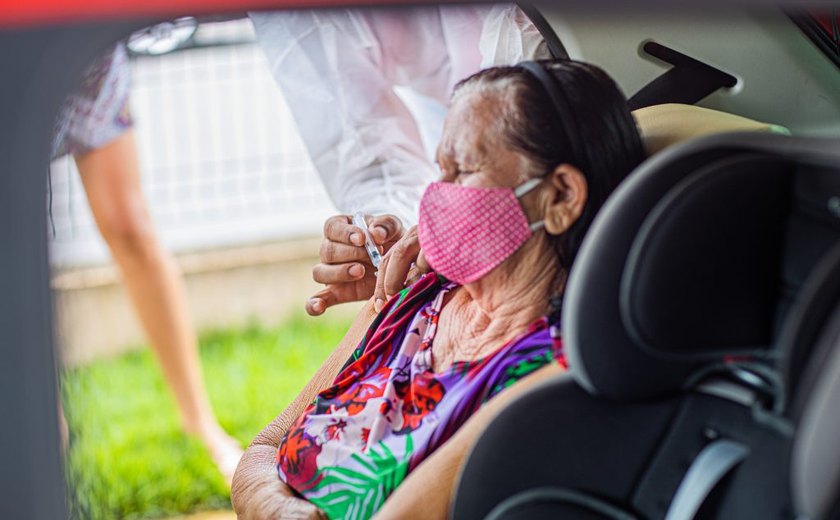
460, 176
455, 175
452, 172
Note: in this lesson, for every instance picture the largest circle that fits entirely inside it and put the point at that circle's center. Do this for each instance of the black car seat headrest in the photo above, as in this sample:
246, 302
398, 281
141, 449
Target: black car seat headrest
701, 277
695, 260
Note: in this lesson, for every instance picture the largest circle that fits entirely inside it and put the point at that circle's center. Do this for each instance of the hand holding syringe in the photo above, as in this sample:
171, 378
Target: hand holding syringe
350, 240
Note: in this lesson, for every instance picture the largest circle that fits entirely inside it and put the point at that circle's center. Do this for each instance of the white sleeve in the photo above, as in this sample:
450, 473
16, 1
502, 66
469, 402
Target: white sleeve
508, 37
362, 140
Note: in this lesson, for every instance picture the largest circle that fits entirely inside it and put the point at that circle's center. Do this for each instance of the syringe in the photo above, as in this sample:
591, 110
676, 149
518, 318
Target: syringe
370, 246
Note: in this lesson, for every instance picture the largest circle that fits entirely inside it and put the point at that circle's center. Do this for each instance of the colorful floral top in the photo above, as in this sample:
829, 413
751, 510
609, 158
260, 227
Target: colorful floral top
387, 410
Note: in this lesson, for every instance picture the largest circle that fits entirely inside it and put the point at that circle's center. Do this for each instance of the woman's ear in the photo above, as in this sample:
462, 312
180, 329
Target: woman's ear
569, 197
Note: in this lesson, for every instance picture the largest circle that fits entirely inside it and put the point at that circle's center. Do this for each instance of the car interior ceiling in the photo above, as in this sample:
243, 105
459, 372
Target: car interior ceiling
703, 324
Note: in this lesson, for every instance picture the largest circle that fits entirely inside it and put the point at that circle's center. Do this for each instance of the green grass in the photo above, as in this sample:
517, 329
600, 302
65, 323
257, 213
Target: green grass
127, 456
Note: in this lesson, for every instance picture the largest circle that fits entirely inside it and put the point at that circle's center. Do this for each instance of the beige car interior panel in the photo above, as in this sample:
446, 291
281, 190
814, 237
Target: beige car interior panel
664, 125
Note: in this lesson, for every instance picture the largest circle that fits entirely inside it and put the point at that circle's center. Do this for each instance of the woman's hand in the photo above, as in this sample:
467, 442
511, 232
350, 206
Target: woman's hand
402, 265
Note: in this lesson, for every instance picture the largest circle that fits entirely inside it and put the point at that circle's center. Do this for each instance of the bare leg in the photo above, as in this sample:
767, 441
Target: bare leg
111, 179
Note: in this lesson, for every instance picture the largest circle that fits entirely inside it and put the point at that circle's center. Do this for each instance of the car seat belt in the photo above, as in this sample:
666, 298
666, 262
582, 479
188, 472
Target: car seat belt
708, 469
688, 80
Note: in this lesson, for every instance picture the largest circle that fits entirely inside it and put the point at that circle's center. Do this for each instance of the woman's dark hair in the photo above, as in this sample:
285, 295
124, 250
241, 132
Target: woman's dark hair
608, 143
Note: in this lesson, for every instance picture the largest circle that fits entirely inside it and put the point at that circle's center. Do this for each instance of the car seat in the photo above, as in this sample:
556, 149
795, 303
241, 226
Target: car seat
813, 374
688, 322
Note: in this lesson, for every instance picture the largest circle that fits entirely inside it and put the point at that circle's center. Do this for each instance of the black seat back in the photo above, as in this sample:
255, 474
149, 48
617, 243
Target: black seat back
812, 375
815, 472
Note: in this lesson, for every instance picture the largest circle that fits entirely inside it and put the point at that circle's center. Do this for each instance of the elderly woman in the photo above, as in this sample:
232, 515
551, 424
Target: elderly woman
528, 156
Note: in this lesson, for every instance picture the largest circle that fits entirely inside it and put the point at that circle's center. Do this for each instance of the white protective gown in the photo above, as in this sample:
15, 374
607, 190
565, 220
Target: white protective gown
368, 88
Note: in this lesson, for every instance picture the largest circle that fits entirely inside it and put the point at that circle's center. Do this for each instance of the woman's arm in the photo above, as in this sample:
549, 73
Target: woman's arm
427, 492
257, 492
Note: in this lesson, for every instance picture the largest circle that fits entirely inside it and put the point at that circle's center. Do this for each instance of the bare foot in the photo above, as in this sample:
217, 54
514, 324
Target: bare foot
224, 450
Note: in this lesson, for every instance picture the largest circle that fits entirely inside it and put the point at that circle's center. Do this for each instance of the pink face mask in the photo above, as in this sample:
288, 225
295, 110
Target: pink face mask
467, 232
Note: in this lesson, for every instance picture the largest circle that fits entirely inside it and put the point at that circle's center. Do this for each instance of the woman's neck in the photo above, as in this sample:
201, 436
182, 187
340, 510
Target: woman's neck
512, 296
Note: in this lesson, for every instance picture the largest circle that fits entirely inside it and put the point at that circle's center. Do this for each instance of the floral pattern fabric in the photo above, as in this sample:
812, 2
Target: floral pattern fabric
388, 410
98, 111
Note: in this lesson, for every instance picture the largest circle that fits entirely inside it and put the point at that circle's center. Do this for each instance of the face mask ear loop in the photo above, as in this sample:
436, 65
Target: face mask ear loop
524, 188
536, 226
527, 186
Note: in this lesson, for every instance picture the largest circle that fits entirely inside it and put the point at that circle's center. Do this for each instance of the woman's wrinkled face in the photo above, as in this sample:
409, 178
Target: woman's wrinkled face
473, 151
